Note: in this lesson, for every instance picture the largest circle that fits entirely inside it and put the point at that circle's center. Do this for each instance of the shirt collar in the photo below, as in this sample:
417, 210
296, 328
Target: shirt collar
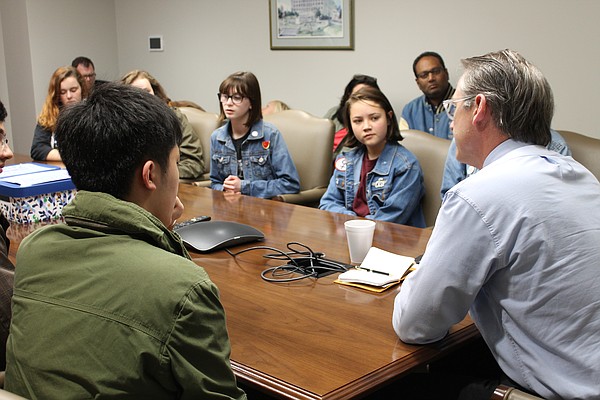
502, 149
448, 95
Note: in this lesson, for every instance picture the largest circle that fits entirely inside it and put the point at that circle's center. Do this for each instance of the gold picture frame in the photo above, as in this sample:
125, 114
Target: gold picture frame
311, 24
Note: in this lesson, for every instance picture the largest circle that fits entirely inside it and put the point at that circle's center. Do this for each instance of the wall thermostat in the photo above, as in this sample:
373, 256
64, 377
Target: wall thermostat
155, 43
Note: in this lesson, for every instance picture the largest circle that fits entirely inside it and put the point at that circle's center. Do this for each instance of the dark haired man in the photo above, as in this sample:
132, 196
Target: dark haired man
87, 70
109, 304
7, 269
515, 245
426, 113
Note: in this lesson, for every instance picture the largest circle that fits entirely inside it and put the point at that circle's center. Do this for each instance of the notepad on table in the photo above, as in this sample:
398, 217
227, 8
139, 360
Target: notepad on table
379, 270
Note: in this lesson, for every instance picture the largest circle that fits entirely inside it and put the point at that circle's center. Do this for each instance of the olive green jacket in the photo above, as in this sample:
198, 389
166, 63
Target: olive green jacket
191, 164
109, 305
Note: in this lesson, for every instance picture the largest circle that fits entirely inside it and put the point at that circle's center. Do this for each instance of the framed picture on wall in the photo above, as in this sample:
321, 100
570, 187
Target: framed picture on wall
312, 24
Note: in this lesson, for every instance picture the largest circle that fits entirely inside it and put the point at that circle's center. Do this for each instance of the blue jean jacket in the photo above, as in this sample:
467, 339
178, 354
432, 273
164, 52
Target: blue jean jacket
394, 186
455, 171
268, 167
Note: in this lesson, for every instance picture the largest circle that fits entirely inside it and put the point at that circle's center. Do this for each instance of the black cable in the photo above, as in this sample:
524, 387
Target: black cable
301, 264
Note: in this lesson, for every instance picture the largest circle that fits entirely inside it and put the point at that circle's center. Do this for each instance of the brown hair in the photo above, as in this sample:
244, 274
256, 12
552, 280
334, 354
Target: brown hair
52, 105
372, 95
246, 84
157, 88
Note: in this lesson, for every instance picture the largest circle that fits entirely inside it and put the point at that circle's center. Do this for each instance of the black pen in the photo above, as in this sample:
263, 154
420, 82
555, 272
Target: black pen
372, 270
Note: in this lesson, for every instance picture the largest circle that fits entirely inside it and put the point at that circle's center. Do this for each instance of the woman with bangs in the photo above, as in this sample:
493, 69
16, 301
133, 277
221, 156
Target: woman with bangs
248, 155
66, 87
376, 178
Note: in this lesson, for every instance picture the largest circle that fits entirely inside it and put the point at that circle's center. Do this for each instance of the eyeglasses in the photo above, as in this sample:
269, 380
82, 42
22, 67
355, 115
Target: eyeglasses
450, 105
89, 76
235, 98
435, 72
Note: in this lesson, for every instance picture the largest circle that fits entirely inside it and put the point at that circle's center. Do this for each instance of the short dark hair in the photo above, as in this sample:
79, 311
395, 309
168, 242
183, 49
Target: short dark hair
376, 96
3, 113
104, 139
82, 60
427, 54
358, 79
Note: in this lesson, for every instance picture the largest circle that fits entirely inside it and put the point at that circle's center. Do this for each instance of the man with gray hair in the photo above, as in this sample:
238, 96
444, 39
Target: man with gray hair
517, 244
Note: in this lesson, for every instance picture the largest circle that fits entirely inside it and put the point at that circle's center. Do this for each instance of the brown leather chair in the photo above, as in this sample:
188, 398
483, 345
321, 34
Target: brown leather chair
203, 123
431, 151
309, 140
585, 149
503, 392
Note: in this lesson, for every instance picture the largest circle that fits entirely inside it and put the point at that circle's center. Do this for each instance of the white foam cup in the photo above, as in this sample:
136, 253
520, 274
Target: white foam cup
360, 238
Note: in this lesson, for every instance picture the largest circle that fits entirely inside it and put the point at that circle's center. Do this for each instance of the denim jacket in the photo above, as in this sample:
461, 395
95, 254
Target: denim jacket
420, 115
268, 167
455, 171
394, 186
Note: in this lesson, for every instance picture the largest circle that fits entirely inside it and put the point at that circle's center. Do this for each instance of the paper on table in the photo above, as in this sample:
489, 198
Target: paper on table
380, 268
383, 261
23, 168
38, 177
368, 278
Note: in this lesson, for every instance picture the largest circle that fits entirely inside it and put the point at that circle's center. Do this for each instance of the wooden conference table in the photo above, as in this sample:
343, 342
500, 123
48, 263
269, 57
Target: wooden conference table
312, 339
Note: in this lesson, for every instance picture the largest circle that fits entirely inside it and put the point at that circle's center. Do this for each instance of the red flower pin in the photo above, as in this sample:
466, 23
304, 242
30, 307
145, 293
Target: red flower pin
266, 144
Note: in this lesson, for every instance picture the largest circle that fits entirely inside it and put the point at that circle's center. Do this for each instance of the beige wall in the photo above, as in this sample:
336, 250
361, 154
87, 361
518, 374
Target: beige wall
38, 37
3, 81
17, 95
206, 40
211, 39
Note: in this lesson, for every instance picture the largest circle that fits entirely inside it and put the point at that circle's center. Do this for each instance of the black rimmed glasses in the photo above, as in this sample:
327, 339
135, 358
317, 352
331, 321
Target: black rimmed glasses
450, 105
235, 98
89, 76
435, 72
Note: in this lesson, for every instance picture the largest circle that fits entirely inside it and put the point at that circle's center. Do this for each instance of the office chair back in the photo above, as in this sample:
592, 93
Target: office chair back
309, 140
203, 123
585, 149
431, 151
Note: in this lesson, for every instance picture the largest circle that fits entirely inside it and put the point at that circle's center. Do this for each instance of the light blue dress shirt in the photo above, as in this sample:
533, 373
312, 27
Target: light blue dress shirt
419, 114
518, 246
455, 171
